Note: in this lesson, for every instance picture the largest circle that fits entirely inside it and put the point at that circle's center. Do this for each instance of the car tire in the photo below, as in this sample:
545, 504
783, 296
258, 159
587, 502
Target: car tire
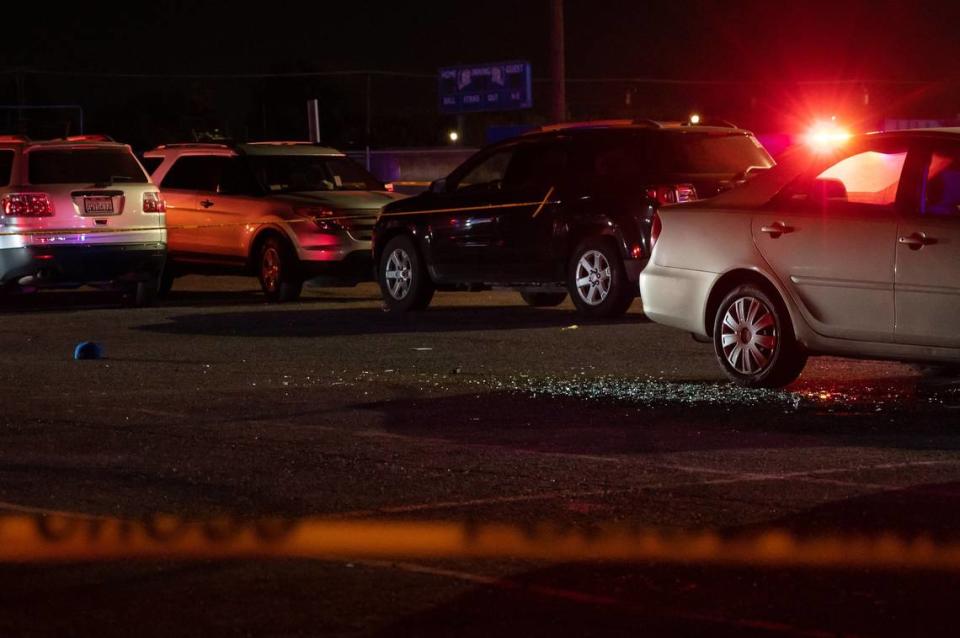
166, 280
141, 294
597, 281
754, 339
279, 271
404, 281
543, 299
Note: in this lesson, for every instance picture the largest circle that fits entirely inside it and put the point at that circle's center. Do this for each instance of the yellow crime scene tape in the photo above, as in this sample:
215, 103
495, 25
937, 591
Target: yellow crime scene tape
540, 204
63, 538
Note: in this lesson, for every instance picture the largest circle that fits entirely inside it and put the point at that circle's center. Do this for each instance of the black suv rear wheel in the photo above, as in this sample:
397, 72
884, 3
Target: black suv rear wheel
403, 277
278, 271
597, 280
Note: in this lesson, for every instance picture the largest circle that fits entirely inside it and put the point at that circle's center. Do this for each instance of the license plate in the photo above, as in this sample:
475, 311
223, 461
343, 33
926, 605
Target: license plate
97, 205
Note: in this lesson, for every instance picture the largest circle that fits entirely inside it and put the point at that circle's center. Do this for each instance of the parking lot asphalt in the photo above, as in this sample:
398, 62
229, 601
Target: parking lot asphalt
479, 409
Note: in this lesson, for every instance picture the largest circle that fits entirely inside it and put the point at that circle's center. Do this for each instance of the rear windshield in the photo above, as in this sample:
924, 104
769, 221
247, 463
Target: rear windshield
83, 166
6, 166
712, 154
303, 173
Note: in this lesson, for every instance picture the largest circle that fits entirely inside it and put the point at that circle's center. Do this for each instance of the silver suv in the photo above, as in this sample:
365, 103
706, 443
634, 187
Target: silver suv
79, 210
285, 211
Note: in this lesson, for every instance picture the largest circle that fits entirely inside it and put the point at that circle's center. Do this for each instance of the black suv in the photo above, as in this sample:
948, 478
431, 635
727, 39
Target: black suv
567, 209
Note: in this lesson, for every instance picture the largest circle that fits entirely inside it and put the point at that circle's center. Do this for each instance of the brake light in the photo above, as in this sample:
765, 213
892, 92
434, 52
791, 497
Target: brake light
153, 203
672, 193
656, 227
389, 187
27, 205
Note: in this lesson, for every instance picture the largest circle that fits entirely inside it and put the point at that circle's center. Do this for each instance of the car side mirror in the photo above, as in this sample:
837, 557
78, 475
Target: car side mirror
438, 186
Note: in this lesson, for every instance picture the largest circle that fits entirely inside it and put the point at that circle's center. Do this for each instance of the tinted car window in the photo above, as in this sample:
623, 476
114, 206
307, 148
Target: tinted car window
83, 166
489, 172
941, 188
195, 173
710, 153
236, 178
6, 167
304, 173
151, 163
536, 167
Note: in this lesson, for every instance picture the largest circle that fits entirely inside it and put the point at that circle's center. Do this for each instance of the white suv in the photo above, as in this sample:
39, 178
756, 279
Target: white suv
79, 210
285, 211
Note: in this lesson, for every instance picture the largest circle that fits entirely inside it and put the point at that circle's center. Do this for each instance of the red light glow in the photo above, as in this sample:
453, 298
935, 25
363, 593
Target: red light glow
823, 137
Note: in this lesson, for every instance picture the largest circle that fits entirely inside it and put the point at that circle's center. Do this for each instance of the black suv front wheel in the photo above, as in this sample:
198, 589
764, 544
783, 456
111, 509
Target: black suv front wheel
597, 280
403, 277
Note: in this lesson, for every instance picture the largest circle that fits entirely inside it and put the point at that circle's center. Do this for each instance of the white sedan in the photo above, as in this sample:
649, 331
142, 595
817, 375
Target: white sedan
851, 252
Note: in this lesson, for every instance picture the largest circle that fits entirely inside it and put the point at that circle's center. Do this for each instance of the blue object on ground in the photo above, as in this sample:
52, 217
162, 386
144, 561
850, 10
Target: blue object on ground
87, 350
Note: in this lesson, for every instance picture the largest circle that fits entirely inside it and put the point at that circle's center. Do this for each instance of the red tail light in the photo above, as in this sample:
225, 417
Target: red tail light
153, 203
656, 227
389, 187
27, 205
672, 193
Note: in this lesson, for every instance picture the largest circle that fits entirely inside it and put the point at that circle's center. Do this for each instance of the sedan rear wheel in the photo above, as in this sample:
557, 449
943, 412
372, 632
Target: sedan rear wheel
754, 340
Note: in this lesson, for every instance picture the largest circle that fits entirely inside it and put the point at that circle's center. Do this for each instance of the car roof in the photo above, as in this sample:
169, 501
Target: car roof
249, 148
654, 128
77, 141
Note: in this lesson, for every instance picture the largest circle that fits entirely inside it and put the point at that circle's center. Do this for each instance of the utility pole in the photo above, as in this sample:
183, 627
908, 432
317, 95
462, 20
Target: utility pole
558, 72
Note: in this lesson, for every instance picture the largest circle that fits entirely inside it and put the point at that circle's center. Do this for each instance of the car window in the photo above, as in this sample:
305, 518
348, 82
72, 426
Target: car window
83, 166
236, 178
195, 173
941, 185
703, 153
868, 180
151, 163
308, 173
488, 173
6, 166
536, 167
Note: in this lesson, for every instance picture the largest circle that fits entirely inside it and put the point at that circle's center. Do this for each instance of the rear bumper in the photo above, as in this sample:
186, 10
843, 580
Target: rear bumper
676, 296
71, 264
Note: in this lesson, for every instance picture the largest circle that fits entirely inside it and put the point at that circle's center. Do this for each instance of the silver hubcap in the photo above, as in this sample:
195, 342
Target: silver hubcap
593, 277
270, 269
748, 335
399, 274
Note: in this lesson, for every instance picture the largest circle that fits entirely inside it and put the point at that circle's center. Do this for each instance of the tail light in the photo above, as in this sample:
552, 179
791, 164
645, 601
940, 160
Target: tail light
27, 205
153, 203
656, 227
672, 193
389, 187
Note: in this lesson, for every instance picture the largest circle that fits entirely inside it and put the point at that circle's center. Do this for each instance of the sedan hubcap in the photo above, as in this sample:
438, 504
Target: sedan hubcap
399, 274
593, 277
748, 335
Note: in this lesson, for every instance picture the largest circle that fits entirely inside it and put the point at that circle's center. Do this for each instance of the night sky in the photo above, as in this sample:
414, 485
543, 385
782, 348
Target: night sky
754, 41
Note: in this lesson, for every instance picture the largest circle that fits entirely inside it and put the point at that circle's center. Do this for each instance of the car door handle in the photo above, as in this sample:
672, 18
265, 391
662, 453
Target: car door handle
206, 203
776, 229
916, 241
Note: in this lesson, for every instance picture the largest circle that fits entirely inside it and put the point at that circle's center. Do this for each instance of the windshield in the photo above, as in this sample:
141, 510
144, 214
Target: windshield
303, 173
720, 154
82, 166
